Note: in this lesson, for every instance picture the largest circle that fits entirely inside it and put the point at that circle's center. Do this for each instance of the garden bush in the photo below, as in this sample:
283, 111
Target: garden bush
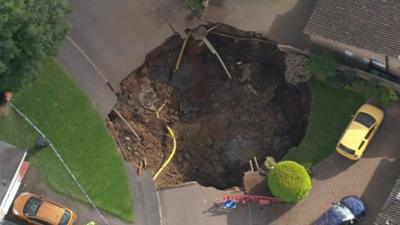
289, 181
388, 96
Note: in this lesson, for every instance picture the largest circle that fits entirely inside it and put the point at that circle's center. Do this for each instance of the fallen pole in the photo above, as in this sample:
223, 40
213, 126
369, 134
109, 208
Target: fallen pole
178, 62
214, 51
126, 122
122, 150
242, 38
256, 162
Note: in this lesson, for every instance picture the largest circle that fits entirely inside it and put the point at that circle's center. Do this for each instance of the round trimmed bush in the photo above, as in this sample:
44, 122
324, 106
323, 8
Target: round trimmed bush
289, 181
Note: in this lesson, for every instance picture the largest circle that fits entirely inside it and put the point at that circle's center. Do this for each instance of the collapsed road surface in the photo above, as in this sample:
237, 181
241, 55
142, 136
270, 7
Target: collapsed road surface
220, 123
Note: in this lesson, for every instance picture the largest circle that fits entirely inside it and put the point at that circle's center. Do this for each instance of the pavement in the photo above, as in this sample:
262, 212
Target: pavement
371, 178
191, 203
280, 20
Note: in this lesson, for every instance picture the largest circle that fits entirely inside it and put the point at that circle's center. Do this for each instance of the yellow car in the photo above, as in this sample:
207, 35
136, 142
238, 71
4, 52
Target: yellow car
360, 131
37, 210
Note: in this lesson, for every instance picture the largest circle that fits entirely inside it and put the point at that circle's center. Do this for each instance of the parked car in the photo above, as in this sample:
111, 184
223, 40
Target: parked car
349, 210
37, 210
360, 131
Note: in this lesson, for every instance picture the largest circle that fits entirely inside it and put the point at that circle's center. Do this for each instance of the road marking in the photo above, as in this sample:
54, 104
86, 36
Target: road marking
90, 61
250, 216
159, 208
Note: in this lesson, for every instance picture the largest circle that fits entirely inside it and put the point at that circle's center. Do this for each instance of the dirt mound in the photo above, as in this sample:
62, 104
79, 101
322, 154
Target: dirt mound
220, 123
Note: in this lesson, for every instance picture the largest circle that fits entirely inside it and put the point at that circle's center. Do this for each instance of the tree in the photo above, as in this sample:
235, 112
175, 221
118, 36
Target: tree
289, 181
31, 31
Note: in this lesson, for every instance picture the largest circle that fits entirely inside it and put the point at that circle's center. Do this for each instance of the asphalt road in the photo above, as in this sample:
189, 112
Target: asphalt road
108, 41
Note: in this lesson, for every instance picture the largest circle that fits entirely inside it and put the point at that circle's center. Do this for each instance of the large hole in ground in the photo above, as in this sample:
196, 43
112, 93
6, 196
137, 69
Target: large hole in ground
220, 123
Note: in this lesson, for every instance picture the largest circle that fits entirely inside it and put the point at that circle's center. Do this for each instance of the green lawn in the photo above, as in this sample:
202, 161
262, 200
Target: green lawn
65, 115
331, 110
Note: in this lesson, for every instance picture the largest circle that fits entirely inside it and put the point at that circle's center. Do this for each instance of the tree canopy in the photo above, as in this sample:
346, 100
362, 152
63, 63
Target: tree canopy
289, 181
31, 31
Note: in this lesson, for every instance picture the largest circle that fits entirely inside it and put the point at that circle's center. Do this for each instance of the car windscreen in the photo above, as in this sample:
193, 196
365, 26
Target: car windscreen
346, 149
32, 206
342, 212
65, 218
365, 119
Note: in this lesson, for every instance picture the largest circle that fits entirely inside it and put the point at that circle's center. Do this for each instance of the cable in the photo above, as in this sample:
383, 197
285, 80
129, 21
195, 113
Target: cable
171, 156
91, 202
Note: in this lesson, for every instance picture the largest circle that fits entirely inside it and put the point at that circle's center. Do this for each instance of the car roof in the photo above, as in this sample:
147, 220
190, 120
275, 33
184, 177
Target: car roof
355, 204
354, 135
50, 212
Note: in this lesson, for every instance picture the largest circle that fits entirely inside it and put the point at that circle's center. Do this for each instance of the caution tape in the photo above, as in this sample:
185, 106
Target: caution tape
91, 202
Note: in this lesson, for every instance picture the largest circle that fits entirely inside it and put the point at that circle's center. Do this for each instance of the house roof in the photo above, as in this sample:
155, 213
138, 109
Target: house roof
10, 158
391, 209
367, 24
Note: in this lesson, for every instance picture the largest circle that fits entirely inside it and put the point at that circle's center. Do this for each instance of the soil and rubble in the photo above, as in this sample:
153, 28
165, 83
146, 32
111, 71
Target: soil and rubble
220, 123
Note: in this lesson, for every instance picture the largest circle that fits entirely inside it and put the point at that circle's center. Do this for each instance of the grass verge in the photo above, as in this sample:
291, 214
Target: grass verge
63, 112
331, 110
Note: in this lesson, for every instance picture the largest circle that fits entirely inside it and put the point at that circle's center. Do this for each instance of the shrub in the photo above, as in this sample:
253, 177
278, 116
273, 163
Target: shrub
388, 96
289, 181
323, 66
371, 89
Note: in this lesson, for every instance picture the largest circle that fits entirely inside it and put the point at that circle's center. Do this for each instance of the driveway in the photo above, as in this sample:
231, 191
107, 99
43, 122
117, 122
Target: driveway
280, 20
372, 178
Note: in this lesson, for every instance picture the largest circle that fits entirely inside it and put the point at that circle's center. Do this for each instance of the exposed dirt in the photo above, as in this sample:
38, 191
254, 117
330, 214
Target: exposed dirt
219, 123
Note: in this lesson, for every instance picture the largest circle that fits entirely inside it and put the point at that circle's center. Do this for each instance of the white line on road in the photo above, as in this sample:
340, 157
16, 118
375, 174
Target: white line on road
159, 208
90, 61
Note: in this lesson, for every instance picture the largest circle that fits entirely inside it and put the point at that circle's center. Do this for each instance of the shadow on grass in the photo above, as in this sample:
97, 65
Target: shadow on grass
32, 151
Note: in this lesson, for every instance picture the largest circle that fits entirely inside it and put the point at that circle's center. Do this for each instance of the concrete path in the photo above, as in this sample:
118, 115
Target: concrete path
142, 187
371, 178
192, 204
281, 20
